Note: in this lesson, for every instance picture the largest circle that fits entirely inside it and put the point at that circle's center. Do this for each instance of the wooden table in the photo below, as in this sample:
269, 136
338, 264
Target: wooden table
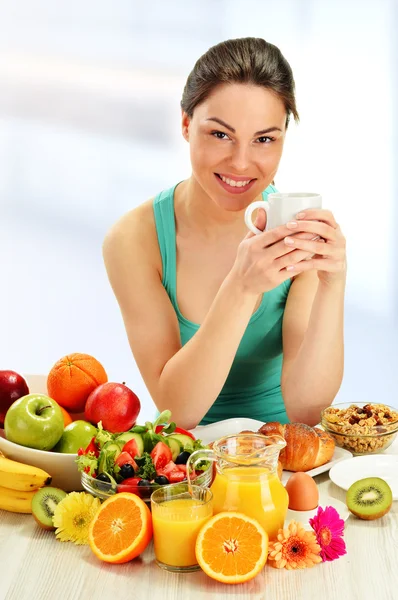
36, 566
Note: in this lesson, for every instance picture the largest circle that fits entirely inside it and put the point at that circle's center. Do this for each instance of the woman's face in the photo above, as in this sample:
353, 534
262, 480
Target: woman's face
236, 140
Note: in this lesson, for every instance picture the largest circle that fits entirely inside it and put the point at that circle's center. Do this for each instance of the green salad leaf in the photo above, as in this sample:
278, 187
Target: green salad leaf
103, 436
146, 468
87, 463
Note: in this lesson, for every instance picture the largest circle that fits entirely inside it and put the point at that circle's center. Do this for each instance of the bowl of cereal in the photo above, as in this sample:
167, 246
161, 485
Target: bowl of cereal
361, 428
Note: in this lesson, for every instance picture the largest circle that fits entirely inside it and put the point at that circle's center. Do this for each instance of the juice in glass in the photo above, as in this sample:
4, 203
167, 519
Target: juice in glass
177, 517
255, 491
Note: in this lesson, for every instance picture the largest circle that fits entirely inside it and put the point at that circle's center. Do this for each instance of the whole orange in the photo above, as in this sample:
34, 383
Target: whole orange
73, 378
66, 416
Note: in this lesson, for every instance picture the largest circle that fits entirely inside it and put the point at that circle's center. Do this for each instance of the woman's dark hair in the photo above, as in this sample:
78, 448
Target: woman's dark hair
243, 60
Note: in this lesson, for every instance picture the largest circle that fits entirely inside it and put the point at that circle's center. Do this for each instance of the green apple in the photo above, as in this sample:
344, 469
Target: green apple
77, 434
35, 421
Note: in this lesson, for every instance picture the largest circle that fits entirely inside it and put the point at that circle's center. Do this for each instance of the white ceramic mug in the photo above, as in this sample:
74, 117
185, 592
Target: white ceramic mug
281, 208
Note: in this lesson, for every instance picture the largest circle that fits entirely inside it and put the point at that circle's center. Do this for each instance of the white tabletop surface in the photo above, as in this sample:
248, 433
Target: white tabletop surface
36, 566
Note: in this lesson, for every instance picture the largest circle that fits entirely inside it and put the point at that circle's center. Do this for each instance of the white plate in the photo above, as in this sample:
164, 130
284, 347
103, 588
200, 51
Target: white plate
384, 466
303, 516
214, 431
338, 455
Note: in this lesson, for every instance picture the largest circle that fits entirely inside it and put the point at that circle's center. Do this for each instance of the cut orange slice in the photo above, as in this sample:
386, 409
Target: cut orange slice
232, 547
121, 529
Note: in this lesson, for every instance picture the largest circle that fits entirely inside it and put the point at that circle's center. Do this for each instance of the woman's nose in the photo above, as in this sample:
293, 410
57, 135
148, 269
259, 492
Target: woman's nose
240, 159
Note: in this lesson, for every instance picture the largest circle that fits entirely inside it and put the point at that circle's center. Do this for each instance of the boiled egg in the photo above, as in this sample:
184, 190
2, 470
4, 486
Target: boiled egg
303, 492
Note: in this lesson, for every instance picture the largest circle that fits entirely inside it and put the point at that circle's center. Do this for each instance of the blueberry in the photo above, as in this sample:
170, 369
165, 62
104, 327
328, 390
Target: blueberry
182, 458
161, 480
144, 482
126, 471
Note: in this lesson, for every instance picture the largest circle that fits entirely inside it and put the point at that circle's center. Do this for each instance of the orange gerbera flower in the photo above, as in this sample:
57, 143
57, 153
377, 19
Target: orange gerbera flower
295, 548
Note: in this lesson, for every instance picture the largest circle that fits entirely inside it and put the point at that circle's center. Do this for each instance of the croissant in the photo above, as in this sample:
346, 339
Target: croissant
306, 447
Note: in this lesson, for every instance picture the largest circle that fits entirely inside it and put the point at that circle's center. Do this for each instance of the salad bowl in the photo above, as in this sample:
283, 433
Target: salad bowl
141, 460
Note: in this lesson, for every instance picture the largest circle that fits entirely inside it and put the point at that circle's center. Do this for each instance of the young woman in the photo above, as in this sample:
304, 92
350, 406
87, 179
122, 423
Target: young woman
223, 323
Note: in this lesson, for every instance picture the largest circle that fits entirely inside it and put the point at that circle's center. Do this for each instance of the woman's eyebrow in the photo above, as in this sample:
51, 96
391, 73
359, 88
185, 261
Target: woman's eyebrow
221, 122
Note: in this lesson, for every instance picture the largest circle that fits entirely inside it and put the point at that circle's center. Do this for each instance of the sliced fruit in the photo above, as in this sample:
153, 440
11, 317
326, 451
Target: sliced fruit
176, 476
121, 529
369, 498
174, 445
129, 485
182, 468
125, 458
159, 428
44, 503
132, 448
186, 441
232, 547
161, 455
124, 438
167, 469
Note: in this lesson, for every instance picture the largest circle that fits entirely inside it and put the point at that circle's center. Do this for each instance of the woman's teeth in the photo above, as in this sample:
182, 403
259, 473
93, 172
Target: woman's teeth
233, 183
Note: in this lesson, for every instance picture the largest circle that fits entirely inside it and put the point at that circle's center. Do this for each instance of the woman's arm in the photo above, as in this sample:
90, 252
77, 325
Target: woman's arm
313, 347
188, 379
313, 324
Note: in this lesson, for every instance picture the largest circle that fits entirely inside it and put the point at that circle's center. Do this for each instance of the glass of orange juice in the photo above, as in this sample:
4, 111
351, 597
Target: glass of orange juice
178, 513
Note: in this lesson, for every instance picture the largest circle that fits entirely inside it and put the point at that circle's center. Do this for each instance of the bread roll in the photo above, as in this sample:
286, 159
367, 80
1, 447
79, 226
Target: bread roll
306, 447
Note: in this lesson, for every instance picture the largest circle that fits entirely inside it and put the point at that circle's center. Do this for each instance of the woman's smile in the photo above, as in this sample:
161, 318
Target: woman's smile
234, 185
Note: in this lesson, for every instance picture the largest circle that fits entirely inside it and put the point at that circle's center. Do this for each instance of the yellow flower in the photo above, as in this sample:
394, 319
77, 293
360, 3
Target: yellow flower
295, 548
73, 515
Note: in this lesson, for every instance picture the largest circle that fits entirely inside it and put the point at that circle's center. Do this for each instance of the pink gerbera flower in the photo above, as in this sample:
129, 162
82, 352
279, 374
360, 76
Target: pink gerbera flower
329, 531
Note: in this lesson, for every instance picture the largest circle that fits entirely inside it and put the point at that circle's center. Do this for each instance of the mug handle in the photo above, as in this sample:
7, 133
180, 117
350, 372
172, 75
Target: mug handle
248, 215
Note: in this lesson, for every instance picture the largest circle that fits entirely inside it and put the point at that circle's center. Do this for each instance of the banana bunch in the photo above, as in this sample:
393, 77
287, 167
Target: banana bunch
18, 484
16, 501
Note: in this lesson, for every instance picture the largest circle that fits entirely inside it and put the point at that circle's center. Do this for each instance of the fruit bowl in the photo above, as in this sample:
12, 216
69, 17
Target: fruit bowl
361, 427
61, 466
104, 490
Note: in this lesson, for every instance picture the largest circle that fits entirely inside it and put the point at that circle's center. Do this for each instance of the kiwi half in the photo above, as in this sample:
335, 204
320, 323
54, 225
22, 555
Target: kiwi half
369, 498
44, 503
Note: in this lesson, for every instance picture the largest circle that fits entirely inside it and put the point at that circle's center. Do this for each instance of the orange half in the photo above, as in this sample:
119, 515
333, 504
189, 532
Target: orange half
232, 548
121, 529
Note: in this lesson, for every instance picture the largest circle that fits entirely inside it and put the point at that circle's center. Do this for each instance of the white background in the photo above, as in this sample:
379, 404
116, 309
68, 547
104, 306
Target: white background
89, 128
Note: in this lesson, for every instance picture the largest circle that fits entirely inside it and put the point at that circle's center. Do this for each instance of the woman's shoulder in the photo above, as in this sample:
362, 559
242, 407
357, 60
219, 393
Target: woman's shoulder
134, 235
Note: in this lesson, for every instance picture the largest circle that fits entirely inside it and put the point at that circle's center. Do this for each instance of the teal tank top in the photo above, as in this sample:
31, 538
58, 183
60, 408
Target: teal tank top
253, 386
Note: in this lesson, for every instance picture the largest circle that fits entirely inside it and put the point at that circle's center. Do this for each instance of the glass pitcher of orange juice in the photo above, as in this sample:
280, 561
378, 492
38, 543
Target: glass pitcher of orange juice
246, 477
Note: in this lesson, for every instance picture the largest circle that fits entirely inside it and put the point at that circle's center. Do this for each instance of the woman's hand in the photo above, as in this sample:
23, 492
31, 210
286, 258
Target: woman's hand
329, 252
262, 260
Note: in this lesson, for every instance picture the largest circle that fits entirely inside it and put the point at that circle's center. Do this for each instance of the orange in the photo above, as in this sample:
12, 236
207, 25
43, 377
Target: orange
66, 416
231, 547
121, 529
73, 378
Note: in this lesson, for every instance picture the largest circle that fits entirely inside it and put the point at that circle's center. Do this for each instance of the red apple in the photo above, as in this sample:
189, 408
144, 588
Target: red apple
12, 387
115, 405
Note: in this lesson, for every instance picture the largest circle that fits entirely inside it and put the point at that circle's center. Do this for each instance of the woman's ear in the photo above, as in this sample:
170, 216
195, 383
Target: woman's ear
185, 125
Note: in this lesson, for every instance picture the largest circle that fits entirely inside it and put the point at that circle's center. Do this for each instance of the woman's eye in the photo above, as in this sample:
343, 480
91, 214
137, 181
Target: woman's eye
265, 139
219, 135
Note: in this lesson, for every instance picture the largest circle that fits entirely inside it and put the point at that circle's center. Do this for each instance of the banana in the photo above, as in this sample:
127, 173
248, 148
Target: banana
16, 501
21, 477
